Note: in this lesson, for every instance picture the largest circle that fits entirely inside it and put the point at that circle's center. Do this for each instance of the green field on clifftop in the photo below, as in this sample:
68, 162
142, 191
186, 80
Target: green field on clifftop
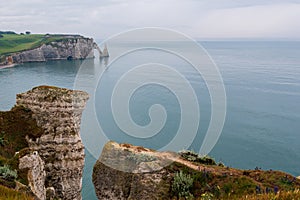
11, 43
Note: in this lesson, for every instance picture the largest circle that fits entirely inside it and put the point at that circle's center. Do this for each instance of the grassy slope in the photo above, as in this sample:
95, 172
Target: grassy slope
10, 194
230, 184
11, 43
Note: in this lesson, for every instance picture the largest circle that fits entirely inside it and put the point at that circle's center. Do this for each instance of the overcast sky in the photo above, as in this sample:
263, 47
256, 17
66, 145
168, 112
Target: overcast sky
197, 18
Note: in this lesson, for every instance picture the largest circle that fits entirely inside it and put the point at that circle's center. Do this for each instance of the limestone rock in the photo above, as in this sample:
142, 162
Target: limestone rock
58, 112
76, 47
128, 172
36, 174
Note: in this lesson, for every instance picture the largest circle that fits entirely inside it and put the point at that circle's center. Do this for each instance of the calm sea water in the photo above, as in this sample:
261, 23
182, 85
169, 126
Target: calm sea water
262, 82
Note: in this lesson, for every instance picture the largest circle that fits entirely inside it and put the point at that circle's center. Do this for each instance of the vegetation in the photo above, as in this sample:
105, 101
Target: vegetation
11, 43
194, 157
8, 174
2, 141
8, 32
215, 182
15, 125
182, 185
284, 195
10, 194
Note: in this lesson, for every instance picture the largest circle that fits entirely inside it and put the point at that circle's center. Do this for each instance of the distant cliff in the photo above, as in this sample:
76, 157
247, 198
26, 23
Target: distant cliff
19, 48
67, 47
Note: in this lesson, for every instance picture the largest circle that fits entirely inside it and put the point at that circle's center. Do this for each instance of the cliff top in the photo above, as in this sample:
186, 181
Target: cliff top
12, 42
208, 178
57, 97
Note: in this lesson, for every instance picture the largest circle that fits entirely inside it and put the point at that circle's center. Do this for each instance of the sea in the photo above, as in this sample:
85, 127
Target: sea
261, 81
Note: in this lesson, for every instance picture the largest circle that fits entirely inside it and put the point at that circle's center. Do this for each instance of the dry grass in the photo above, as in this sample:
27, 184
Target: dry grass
284, 195
10, 194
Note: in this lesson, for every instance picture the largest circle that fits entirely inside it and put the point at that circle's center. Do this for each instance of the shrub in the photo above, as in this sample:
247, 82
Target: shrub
2, 160
194, 157
221, 164
2, 141
8, 174
182, 185
207, 196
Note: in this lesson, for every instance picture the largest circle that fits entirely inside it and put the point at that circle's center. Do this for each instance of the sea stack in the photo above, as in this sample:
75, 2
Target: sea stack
58, 112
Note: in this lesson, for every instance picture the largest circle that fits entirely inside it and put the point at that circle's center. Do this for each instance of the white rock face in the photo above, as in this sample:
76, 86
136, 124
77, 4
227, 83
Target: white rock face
58, 112
69, 48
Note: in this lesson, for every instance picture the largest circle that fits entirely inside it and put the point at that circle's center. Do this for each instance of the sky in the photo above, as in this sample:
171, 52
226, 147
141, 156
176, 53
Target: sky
210, 19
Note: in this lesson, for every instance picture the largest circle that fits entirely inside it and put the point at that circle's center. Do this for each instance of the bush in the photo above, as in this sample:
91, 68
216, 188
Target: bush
8, 174
2, 160
221, 164
207, 196
7, 32
182, 185
194, 157
3, 141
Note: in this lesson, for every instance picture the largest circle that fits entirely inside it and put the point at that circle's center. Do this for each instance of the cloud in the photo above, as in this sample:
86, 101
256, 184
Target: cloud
267, 21
206, 18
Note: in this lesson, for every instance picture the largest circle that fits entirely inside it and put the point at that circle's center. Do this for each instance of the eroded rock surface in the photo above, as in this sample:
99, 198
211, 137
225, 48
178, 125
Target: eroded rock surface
129, 172
36, 173
68, 48
58, 112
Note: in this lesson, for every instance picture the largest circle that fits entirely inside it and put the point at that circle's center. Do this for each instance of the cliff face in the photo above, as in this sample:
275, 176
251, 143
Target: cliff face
58, 112
66, 48
128, 172
124, 171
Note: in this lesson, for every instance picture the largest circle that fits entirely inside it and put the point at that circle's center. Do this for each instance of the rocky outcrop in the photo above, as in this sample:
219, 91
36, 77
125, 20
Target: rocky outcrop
75, 47
36, 173
128, 172
102, 54
125, 171
58, 112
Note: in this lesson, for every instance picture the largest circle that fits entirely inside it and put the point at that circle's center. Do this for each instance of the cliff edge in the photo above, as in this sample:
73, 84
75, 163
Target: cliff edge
65, 48
18, 48
124, 171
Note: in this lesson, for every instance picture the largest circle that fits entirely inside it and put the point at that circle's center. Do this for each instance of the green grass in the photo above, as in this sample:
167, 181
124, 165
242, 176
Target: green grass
11, 43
